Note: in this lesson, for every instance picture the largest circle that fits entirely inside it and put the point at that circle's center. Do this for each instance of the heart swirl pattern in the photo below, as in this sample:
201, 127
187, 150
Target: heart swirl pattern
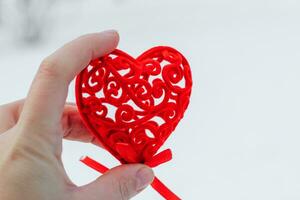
133, 105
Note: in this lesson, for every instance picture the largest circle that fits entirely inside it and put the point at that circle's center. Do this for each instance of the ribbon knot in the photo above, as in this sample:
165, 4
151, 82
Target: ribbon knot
156, 160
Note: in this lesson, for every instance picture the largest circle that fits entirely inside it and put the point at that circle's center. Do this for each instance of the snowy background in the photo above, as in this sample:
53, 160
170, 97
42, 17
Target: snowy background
240, 138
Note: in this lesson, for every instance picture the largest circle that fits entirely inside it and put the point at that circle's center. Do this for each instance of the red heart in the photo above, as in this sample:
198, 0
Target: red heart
133, 105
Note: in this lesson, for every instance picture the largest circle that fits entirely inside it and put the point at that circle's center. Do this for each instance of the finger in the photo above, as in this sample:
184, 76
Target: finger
46, 98
9, 115
74, 128
123, 182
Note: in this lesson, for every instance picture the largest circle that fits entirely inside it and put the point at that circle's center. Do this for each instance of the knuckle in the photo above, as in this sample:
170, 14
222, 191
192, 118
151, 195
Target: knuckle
21, 148
48, 68
17, 150
16, 153
123, 186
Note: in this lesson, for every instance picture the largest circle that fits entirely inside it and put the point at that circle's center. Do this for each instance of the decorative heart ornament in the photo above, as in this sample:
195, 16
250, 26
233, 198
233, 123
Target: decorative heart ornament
133, 105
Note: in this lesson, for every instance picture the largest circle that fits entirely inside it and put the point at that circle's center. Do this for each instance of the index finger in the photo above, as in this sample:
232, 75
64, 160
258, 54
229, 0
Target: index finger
47, 95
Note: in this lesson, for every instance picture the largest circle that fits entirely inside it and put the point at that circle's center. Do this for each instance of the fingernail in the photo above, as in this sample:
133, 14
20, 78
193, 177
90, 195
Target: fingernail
144, 177
112, 31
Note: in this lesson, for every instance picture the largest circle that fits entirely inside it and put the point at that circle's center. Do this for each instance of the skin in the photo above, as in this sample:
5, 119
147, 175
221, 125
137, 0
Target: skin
32, 130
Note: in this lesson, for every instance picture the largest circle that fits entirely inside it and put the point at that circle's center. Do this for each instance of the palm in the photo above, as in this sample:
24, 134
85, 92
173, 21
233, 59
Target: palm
48, 169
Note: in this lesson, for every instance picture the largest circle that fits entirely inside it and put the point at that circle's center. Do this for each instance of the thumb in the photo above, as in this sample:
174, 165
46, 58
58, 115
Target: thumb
123, 182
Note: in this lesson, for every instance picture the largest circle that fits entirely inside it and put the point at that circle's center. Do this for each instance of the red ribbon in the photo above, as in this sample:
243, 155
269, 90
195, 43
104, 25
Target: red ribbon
157, 160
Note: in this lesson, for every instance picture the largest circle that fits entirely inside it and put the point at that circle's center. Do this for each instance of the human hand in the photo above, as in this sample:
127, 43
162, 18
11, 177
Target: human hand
31, 133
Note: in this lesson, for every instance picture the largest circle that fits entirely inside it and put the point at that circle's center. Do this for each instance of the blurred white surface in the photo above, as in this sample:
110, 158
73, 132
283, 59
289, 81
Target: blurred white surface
240, 136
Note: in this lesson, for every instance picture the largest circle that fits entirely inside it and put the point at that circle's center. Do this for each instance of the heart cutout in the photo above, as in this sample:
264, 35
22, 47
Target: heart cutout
133, 105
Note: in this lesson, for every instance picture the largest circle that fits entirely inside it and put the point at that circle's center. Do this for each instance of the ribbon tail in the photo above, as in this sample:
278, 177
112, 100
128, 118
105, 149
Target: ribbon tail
94, 164
163, 190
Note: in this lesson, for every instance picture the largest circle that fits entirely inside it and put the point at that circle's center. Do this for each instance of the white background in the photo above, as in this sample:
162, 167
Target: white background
240, 136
